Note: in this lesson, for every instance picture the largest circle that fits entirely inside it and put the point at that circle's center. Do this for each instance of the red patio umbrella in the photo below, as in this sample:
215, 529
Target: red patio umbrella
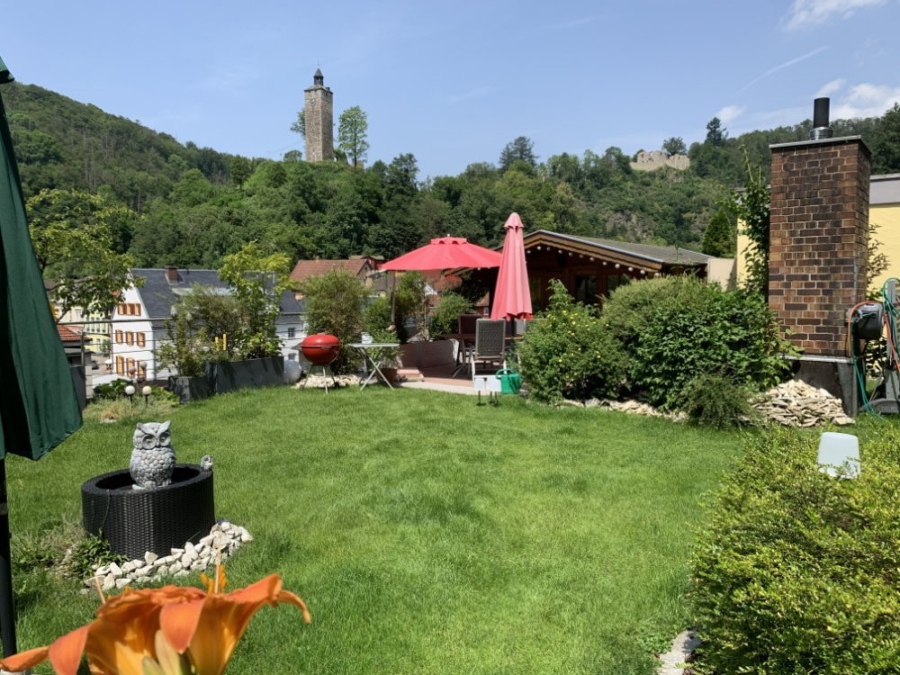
441, 254
512, 296
444, 253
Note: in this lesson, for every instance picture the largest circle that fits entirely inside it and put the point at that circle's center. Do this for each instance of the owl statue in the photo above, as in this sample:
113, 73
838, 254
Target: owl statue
153, 458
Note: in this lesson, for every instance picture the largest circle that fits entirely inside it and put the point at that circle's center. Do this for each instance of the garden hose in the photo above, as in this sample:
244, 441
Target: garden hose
859, 365
890, 320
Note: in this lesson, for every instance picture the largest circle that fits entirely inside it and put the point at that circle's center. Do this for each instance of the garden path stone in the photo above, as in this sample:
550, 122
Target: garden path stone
674, 661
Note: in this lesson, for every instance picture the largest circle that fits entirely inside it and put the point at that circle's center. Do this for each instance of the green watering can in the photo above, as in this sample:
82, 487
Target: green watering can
510, 382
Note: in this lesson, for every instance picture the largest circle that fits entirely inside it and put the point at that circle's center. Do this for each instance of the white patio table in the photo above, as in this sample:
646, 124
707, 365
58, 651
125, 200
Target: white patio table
372, 355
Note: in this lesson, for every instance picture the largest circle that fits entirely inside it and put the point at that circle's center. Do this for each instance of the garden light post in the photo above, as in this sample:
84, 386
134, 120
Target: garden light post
146, 391
129, 392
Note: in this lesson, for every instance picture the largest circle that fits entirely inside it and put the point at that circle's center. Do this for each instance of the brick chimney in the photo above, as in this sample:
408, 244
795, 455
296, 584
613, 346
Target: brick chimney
171, 274
818, 243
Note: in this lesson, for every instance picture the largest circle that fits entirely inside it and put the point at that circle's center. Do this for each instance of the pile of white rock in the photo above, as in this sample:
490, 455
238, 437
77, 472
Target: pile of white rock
224, 539
317, 381
797, 404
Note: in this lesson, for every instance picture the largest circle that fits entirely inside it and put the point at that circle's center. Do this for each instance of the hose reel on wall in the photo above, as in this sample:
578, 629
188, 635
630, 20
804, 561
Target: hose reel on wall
875, 324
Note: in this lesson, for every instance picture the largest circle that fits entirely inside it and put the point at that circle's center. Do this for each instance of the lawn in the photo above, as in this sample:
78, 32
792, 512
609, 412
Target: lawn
427, 534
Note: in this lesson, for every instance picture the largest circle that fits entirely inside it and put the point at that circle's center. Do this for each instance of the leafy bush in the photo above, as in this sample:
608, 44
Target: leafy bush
377, 315
678, 328
447, 312
567, 353
626, 311
334, 304
714, 400
110, 391
797, 572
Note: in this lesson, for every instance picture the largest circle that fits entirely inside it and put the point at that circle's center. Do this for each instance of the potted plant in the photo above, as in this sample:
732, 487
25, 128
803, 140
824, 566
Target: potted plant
186, 351
257, 283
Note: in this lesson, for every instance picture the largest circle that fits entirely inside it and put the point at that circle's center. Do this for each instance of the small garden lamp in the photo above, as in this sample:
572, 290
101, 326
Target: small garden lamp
129, 392
146, 391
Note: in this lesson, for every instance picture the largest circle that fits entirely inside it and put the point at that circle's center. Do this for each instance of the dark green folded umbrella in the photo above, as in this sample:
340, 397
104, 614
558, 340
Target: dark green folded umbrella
38, 406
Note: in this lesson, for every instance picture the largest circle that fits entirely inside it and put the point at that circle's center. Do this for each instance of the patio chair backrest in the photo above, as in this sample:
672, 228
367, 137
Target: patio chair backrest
466, 323
490, 338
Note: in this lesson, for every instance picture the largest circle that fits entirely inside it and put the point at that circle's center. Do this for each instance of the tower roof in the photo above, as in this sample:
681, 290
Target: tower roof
318, 78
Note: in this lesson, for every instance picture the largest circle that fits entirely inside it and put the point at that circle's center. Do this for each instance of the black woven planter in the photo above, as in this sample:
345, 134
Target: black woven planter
157, 519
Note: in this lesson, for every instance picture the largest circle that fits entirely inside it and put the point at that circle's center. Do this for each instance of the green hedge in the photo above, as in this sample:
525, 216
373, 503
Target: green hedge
799, 572
679, 328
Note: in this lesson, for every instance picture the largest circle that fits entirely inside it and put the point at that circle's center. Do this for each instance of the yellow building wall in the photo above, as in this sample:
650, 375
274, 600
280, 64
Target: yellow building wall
887, 217
743, 243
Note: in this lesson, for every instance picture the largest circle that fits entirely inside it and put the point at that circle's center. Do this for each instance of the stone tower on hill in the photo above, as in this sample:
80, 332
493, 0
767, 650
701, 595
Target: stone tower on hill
318, 112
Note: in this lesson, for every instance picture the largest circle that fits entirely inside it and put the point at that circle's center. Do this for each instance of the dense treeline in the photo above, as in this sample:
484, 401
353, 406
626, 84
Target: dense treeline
196, 205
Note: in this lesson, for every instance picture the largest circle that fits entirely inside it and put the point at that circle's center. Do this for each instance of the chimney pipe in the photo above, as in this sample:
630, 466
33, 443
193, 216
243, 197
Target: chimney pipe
820, 120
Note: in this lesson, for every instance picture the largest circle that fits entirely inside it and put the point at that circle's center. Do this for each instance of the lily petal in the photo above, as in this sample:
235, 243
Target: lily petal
179, 623
65, 654
24, 660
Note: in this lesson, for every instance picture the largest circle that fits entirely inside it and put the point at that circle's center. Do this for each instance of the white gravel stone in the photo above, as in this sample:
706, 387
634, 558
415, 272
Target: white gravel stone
223, 540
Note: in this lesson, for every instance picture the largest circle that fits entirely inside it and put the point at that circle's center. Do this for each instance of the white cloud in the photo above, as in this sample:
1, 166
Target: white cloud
806, 13
472, 93
730, 113
575, 22
782, 66
865, 100
830, 88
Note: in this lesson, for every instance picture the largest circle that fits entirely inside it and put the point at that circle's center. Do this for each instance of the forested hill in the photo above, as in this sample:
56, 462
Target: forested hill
61, 143
195, 205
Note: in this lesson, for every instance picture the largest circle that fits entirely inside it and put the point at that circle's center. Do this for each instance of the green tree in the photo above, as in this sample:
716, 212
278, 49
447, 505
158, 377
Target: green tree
241, 170
675, 146
258, 281
719, 239
353, 129
299, 125
751, 206
886, 145
73, 239
715, 133
520, 150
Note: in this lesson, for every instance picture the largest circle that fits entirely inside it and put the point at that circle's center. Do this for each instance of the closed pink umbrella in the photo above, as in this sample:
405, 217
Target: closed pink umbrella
512, 296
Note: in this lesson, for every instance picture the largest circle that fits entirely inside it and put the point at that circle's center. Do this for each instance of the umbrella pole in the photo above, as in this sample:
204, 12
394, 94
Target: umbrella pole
7, 613
393, 298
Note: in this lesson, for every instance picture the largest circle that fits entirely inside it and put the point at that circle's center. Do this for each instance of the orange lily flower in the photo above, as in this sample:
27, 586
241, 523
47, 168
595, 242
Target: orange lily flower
143, 627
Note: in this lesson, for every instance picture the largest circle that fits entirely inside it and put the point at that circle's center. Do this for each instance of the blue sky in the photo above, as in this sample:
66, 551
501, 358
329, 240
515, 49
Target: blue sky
452, 83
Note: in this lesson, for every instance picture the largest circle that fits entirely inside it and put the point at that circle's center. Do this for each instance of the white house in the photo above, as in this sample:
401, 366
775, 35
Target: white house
139, 320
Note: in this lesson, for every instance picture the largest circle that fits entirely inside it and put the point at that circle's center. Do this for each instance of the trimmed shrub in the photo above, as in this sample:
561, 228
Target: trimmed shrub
797, 572
678, 328
626, 312
567, 353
